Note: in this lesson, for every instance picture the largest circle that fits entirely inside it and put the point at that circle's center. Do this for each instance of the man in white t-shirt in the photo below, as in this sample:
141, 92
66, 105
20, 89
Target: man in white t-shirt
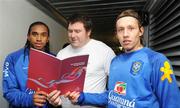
100, 56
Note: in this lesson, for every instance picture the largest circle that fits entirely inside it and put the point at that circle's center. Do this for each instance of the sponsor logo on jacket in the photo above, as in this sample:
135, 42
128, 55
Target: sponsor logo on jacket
118, 101
120, 88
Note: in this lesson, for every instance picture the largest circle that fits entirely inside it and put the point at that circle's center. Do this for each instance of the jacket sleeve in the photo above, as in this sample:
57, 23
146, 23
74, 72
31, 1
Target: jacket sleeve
164, 83
11, 90
95, 99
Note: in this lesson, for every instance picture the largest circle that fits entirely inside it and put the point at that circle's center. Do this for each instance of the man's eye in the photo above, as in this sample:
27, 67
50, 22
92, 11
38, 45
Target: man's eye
131, 28
34, 33
44, 34
78, 31
120, 30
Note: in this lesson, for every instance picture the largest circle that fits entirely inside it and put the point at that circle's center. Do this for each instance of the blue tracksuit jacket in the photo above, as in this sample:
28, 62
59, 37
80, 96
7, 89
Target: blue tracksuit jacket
15, 73
140, 79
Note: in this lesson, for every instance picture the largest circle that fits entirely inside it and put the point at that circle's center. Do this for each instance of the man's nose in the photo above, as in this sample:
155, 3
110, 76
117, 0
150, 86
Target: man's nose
38, 38
126, 32
73, 34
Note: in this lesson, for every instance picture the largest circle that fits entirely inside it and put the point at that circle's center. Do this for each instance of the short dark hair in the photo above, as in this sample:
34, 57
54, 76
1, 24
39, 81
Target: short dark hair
79, 17
28, 44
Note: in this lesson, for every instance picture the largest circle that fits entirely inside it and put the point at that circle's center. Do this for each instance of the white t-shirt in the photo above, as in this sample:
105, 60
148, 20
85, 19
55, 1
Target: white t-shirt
100, 56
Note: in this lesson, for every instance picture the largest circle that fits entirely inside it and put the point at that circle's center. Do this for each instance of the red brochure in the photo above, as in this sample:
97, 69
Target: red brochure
48, 73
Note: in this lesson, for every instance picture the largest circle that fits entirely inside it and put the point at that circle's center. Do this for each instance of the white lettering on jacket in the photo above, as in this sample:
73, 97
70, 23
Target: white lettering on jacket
119, 102
6, 69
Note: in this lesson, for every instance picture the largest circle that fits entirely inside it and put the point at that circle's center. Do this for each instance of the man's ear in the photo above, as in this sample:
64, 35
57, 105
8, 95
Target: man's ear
48, 39
89, 33
141, 31
28, 38
116, 36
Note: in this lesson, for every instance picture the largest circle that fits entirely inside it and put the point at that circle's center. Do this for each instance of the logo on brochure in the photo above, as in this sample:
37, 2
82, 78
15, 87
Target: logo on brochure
67, 77
136, 67
120, 88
